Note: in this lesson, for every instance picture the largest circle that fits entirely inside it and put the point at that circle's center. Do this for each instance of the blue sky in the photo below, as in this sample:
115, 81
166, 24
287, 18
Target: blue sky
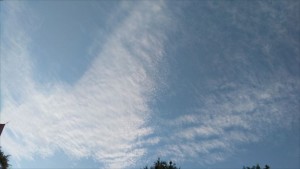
117, 84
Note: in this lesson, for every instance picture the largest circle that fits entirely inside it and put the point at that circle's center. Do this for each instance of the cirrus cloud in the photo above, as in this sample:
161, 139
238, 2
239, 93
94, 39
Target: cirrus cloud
103, 114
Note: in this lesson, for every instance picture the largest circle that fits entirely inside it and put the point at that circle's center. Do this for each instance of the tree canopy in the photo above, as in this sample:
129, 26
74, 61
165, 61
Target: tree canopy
257, 167
3, 160
162, 165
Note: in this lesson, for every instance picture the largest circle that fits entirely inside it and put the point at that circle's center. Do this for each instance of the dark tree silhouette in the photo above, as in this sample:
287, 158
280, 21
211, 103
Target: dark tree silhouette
3, 160
257, 167
162, 165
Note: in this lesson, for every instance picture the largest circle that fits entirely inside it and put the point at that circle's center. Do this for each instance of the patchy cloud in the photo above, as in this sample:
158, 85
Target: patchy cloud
224, 122
244, 93
229, 63
103, 115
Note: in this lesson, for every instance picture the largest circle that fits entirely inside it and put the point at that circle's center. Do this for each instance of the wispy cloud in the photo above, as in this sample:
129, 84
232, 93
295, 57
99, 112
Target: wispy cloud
229, 119
253, 93
103, 115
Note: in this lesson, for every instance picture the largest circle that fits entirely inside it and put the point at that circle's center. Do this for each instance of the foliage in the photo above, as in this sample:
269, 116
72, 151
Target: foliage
162, 165
257, 167
3, 160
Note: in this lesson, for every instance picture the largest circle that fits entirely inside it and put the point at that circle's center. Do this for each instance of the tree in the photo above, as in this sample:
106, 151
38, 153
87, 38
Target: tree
256, 167
162, 165
3, 160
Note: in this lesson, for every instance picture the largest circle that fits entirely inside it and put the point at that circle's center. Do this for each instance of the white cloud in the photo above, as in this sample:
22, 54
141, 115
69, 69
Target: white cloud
103, 115
232, 118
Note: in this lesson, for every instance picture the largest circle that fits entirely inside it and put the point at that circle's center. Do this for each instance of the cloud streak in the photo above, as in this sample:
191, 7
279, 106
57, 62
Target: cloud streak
106, 114
103, 115
246, 93
226, 121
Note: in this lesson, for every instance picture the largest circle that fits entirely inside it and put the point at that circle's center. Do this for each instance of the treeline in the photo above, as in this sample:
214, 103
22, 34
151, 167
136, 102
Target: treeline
257, 167
157, 165
162, 165
170, 165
